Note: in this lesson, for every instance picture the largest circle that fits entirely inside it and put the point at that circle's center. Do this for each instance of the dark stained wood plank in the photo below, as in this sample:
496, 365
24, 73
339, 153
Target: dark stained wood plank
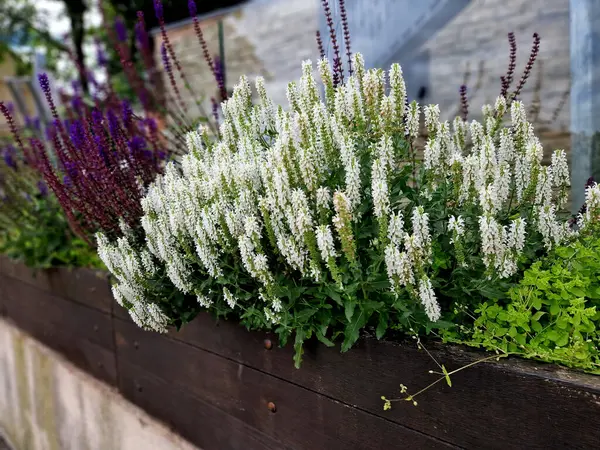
303, 419
81, 334
511, 404
39, 278
200, 422
86, 286
31, 304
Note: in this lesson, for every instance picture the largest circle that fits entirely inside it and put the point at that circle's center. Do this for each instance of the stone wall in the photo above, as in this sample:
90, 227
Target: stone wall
268, 38
47, 404
476, 39
271, 38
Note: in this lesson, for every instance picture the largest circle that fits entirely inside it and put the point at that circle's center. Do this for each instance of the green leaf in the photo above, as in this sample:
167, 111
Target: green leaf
349, 309
521, 339
447, 376
562, 340
382, 325
492, 292
377, 286
352, 332
371, 305
565, 252
442, 325
299, 347
500, 331
322, 338
553, 335
331, 293
305, 314
537, 316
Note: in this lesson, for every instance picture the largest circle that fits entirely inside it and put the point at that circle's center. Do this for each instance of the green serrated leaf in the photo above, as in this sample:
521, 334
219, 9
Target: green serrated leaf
299, 347
305, 314
322, 338
331, 293
352, 331
349, 307
382, 325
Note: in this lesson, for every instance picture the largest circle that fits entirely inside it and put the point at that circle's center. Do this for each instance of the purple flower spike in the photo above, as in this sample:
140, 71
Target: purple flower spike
151, 123
127, 113
113, 124
97, 117
158, 9
136, 144
139, 34
101, 58
44, 82
101, 150
77, 134
71, 169
49, 132
9, 159
165, 57
120, 29
77, 104
192, 8
42, 188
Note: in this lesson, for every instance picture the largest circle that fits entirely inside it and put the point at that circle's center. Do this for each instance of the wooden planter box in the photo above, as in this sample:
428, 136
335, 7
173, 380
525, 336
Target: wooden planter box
221, 387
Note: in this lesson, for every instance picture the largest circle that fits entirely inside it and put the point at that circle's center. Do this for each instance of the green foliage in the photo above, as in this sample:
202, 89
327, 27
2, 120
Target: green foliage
33, 227
46, 240
551, 315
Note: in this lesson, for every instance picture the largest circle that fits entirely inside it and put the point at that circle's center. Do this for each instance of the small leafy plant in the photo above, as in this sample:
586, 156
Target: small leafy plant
552, 313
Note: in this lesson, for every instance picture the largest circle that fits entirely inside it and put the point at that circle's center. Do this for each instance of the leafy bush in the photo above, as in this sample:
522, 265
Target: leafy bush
552, 313
33, 228
321, 220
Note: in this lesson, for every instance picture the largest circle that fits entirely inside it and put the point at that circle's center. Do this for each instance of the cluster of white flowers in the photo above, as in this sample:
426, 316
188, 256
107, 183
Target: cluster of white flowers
288, 186
408, 266
132, 268
502, 170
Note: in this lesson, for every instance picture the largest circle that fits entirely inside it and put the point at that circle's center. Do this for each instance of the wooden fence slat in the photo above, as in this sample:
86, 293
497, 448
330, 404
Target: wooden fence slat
18, 270
72, 317
491, 405
81, 334
303, 419
86, 286
200, 422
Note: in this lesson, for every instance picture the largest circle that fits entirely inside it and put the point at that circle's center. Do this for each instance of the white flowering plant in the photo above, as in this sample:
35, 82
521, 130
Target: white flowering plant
325, 218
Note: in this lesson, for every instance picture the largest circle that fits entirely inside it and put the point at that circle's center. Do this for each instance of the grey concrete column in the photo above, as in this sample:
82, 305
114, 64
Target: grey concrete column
585, 95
